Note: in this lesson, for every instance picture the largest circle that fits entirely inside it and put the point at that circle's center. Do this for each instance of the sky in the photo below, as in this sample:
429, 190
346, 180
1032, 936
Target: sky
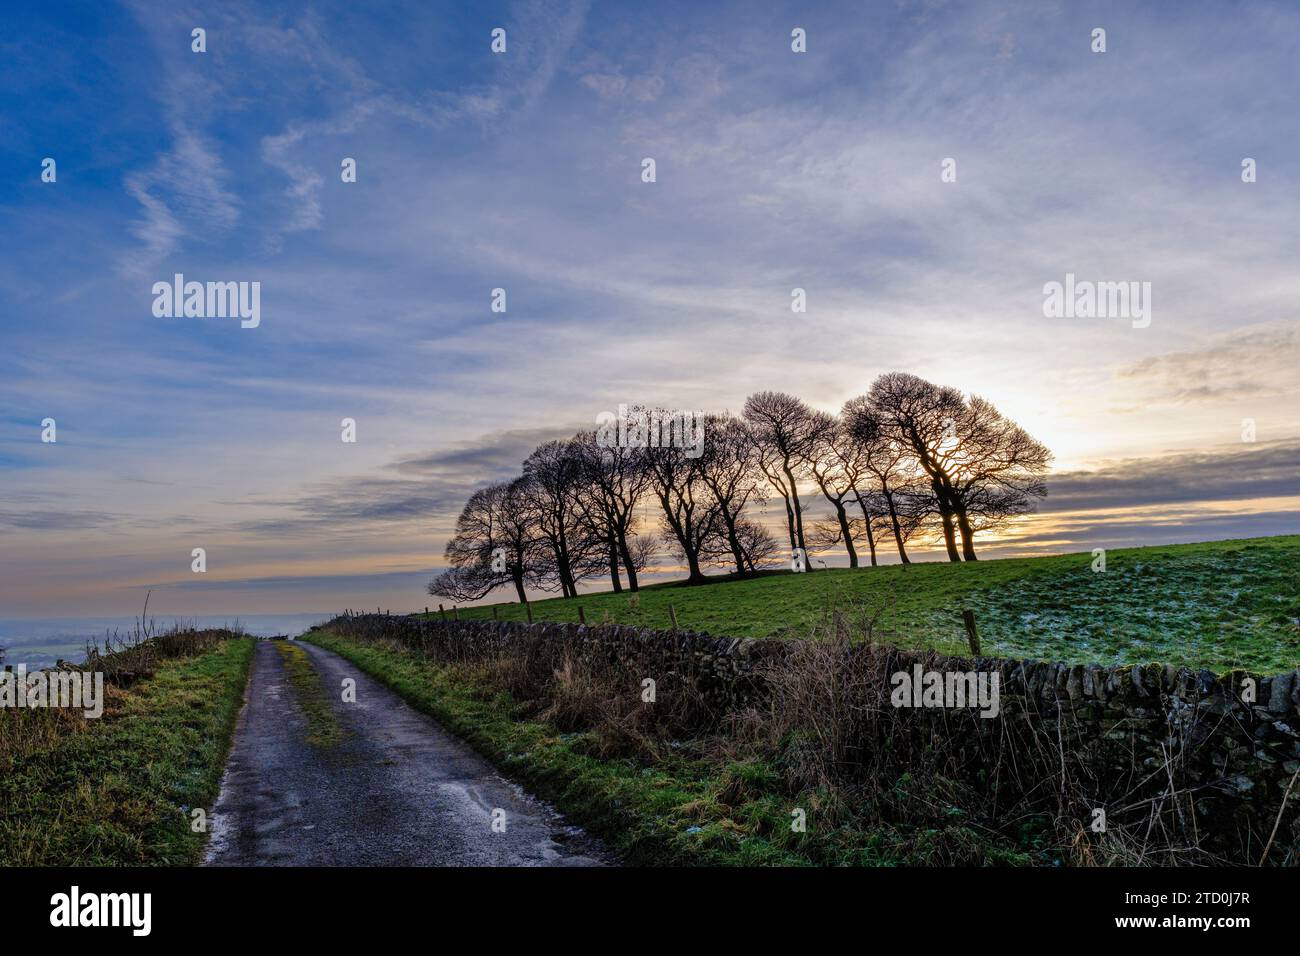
522, 170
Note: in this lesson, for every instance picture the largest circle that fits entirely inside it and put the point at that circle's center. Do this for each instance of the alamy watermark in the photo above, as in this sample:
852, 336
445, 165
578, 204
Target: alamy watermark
76, 690
639, 427
923, 688
75, 908
1098, 300
209, 300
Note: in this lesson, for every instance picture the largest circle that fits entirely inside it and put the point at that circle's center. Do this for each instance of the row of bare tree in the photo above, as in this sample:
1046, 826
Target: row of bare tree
907, 459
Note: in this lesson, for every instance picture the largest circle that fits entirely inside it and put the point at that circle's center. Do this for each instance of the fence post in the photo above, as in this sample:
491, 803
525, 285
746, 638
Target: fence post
455, 613
528, 606
972, 635
582, 618
672, 613
442, 613
494, 612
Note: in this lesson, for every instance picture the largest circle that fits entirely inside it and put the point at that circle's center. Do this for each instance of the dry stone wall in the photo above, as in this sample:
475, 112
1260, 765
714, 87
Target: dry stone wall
1241, 754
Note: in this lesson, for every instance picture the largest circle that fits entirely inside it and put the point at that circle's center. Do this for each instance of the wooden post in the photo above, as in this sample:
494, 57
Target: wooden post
443, 613
972, 635
455, 613
582, 618
672, 613
529, 608
494, 612
426, 610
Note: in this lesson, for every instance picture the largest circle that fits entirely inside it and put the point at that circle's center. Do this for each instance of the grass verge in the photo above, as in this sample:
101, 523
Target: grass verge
119, 791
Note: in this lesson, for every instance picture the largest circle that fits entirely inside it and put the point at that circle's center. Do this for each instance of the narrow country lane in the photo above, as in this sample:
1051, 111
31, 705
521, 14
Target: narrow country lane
312, 780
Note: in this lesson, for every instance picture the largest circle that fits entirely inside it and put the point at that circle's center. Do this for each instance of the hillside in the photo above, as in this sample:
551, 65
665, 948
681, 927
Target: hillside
1219, 605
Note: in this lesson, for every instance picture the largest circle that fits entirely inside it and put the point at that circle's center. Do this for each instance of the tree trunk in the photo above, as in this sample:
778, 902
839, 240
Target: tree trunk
519, 586
696, 576
613, 568
945, 515
737, 552
798, 518
967, 535
848, 537
898, 531
626, 552
683, 531
563, 568
789, 520
949, 536
871, 537
566, 577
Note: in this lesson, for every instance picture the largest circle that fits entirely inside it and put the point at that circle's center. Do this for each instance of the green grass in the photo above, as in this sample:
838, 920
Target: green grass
1220, 605
119, 792
683, 809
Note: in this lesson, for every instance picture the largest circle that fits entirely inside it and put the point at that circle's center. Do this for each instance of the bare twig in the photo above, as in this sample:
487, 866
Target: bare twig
1286, 796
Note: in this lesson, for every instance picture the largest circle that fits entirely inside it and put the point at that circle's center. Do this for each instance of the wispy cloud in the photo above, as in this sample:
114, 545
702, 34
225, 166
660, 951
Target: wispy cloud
1257, 363
420, 491
1242, 471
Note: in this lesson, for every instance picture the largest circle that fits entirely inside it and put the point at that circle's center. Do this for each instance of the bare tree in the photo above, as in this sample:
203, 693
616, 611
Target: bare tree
784, 430
827, 533
552, 480
748, 549
907, 450
495, 543
982, 467
690, 511
894, 493
997, 471
756, 544
613, 480
644, 549
835, 464
729, 467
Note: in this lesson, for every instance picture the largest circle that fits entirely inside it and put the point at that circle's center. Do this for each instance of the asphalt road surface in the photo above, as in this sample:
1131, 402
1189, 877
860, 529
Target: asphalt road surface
394, 789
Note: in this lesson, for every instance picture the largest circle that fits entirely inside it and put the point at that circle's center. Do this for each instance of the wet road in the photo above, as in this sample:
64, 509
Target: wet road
391, 788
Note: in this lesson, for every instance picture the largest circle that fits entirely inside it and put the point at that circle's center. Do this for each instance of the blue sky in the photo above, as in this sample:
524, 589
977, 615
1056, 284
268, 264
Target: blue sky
522, 171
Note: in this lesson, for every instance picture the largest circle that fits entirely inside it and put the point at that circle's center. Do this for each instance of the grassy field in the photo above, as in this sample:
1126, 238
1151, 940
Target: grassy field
1220, 605
118, 791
